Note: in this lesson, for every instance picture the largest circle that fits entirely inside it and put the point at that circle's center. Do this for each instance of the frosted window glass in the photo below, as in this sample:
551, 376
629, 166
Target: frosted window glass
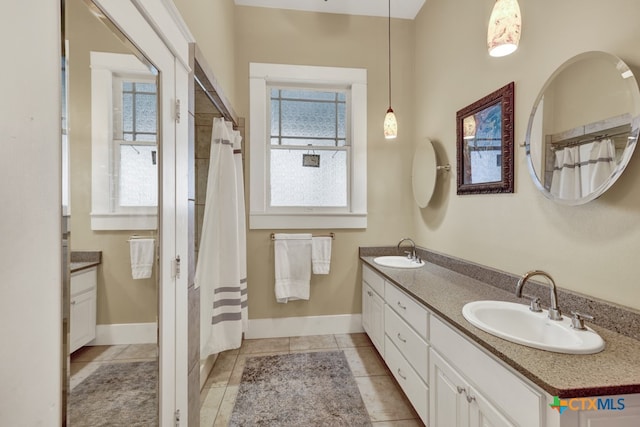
298, 114
145, 113
138, 175
300, 118
308, 94
295, 185
127, 112
486, 166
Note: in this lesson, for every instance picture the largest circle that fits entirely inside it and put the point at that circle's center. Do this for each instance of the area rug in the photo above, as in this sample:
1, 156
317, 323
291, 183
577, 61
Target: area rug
301, 389
116, 394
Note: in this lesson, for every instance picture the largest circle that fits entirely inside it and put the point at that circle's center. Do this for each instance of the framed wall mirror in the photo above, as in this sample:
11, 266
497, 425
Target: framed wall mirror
484, 144
583, 128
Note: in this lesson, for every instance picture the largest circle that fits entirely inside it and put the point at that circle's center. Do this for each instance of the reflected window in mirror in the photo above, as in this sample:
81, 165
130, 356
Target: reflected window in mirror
135, 143
485, 144
124, 134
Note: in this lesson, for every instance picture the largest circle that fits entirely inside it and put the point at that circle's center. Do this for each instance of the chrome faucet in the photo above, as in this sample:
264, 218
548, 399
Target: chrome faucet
412, 254
554, 310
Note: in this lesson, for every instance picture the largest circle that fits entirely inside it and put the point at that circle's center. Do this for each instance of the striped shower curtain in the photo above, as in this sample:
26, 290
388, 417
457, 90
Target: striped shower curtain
221, 267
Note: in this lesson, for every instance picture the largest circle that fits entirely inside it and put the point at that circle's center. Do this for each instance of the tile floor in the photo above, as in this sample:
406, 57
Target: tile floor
383, 398
86, 360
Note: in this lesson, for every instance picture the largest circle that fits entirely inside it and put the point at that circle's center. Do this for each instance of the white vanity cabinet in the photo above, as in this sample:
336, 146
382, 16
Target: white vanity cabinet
469, 388
82, 310
397, 326
406, 346
373, 307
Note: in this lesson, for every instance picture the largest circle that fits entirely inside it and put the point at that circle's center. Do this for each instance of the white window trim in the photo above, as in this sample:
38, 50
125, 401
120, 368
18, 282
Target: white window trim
260, 75
103, 67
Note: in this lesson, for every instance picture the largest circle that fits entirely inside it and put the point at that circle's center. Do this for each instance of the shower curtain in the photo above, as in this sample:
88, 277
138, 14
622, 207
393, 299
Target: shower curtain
221, 267
579, 170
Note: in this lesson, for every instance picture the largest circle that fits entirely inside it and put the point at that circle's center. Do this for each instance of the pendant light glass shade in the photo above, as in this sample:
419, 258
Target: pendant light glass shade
390, 125
504, 28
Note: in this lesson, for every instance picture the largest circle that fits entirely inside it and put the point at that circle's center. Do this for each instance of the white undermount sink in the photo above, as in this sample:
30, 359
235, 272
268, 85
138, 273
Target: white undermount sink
397, 262
516, 323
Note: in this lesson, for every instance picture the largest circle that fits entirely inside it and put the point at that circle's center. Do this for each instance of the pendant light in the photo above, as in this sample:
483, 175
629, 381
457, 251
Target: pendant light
390, 122
503, 35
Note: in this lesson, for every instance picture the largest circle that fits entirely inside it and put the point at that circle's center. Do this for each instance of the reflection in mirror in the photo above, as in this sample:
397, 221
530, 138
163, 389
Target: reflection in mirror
485, 144
583, 128
424, 172
112, 96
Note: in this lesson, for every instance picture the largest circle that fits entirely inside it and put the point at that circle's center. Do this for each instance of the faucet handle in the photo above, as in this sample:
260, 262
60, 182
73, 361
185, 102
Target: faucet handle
534, 305
577, 320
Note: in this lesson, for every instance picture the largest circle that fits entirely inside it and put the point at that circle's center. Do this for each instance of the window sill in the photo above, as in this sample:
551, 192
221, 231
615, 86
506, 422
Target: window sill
115, 221
262, 221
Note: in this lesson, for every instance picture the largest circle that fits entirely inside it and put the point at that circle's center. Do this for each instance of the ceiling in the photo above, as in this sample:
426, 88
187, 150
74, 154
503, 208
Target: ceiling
407, 9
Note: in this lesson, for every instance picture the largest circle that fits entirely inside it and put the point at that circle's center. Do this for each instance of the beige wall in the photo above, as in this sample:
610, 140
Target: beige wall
300, 38
591, 249
211, 23
120, 298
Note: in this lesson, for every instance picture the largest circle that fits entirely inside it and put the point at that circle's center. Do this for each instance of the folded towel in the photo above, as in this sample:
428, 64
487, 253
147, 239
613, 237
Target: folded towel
321, 254
293, 266
142, 251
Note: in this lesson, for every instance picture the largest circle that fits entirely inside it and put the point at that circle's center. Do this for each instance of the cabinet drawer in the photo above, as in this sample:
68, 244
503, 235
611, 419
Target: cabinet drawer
373, 279
412, 312
495, 381
417, 392
84, 280
412, 347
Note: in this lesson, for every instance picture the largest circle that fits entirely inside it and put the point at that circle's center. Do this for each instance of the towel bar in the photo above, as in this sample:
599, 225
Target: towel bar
332, 235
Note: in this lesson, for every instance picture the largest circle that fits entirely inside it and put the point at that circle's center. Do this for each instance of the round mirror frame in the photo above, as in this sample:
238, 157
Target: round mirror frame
621, 161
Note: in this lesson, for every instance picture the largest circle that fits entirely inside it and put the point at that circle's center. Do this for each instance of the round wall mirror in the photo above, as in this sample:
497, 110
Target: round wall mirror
583, 128
423, 176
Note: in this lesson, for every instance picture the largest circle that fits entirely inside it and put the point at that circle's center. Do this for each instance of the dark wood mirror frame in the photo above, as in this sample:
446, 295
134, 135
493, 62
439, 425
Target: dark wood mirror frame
504, 98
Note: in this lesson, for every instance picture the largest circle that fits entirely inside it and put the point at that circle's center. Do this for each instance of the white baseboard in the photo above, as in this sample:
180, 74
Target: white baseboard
302, 326
205, 369
126, 333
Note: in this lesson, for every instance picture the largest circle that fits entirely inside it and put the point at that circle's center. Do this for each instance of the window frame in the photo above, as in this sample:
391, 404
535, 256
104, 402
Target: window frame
346, 147
261, 215
106, 68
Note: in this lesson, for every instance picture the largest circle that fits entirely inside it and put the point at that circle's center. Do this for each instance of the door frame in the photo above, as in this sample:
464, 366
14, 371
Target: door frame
156, 28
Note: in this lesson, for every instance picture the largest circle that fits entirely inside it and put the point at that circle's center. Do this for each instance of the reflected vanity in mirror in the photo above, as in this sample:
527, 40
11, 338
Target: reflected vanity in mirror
484, 140
583, 128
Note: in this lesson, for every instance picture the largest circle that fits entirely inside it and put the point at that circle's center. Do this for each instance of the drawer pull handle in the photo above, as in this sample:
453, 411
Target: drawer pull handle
73, 302
400, 338
400, 373
470, 398
402, 306
461, 390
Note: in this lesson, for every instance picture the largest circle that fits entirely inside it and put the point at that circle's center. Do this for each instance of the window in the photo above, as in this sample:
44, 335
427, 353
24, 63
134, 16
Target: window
124, 111
135, 146
308, 147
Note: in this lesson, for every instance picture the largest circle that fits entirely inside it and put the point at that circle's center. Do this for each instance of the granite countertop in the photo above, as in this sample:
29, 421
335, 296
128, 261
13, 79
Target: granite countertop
82, 260
615, 370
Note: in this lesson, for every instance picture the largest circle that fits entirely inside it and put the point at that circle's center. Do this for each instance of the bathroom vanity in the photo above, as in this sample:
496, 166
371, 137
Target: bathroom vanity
455, 374
83, 298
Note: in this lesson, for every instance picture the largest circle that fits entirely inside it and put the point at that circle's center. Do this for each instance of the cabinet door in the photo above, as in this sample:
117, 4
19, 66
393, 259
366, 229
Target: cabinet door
373, 316
82, 324
448, 406
484, 414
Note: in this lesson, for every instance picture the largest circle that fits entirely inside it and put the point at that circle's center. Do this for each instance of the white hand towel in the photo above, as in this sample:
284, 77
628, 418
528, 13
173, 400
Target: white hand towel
321, 254
293, 266
141, 251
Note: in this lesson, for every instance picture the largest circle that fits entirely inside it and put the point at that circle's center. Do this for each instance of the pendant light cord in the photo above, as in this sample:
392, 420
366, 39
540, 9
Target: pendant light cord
389, 53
